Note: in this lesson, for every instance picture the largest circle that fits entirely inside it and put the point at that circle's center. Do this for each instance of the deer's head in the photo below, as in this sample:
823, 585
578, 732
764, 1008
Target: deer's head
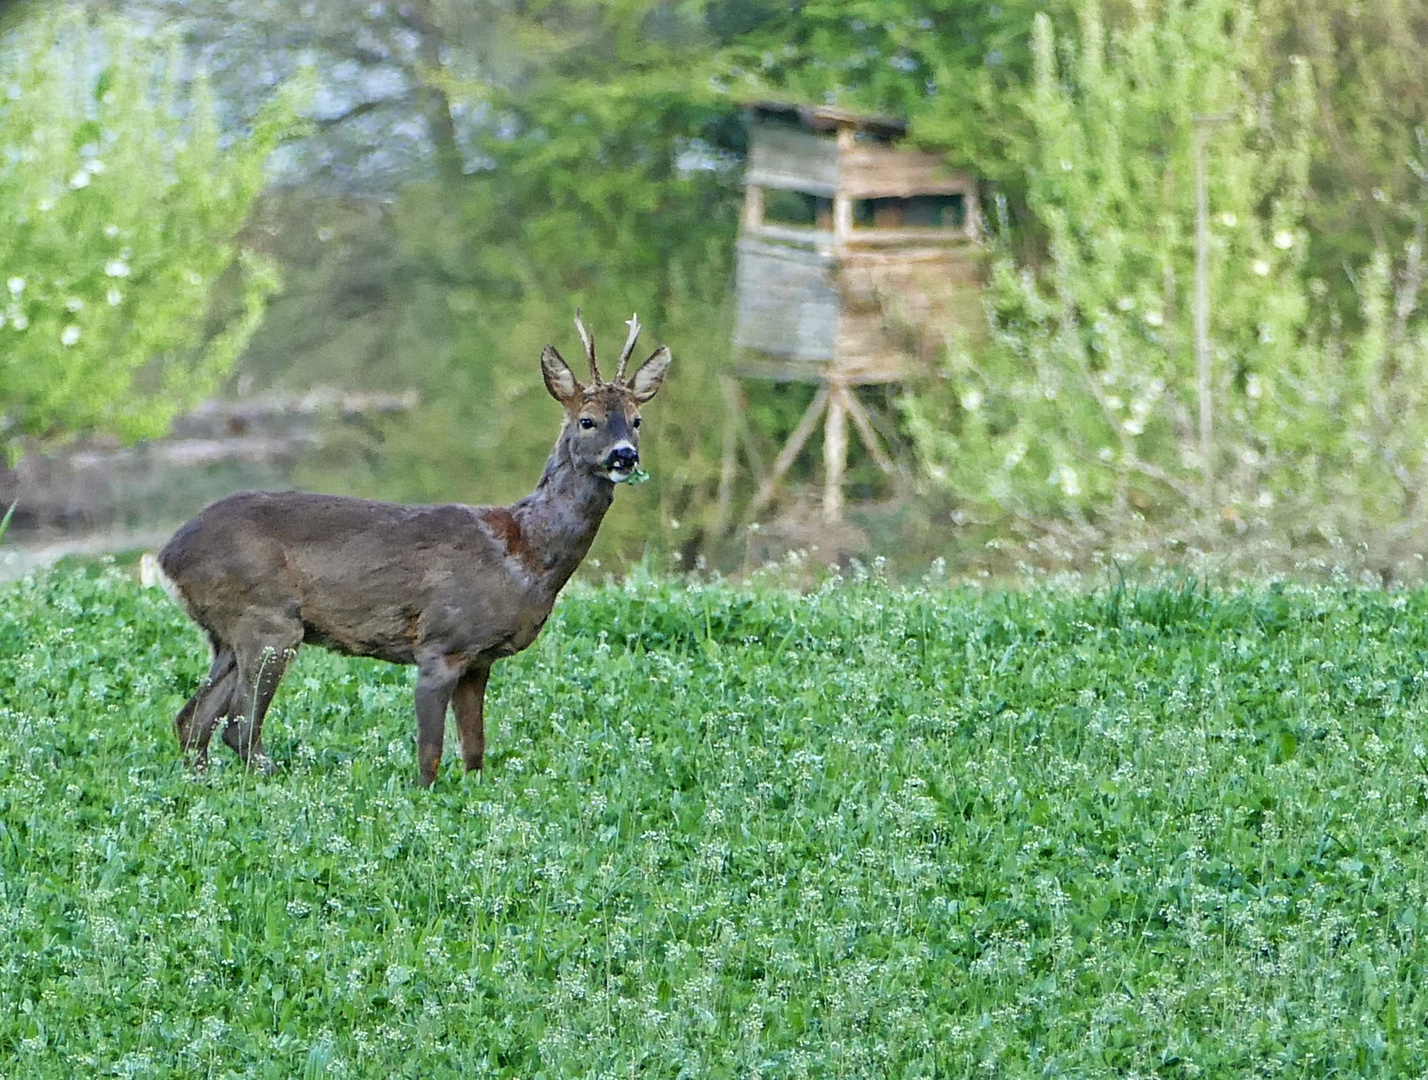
603, 418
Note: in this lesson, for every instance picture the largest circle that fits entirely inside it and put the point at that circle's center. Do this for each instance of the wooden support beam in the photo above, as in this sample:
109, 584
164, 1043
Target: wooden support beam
789, 453
739, 405
869, 436
753, 208
835, 452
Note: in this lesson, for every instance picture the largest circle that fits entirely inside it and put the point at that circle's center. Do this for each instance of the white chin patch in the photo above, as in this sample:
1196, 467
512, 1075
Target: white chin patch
618, 476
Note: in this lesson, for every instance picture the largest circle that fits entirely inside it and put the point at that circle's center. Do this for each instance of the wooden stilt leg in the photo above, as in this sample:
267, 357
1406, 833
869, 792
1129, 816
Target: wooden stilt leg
870, 437
789, 453
835, 452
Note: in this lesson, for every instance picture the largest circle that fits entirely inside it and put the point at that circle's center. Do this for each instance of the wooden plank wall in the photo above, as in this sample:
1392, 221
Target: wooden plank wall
792, 159
875, 170
787, 303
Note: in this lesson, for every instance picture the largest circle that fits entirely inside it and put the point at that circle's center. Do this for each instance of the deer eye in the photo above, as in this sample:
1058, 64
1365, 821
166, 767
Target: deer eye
587, 423
635, 422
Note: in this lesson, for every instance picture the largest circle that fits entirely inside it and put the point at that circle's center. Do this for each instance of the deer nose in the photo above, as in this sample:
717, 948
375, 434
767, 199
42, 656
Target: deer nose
624, 458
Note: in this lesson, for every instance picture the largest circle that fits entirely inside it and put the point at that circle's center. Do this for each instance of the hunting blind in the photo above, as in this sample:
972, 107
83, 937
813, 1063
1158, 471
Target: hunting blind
855, 257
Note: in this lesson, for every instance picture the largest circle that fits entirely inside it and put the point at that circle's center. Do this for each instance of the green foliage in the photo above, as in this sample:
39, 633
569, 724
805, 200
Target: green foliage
596, 191
948, 67
586, 152
730, 830
1369, 74
121, 204
1084, 398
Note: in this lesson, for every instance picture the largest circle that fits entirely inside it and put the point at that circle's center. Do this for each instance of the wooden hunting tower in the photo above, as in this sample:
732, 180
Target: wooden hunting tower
855, 258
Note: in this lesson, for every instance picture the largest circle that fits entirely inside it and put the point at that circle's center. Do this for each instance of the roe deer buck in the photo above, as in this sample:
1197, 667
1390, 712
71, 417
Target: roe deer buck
450, 589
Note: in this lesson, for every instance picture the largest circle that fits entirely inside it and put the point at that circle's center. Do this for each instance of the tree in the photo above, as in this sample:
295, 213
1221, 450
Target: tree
600, 184
121, 208
1369, 66
1087, 396
389, 106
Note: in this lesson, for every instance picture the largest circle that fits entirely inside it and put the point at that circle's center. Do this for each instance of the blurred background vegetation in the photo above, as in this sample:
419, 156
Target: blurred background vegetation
258, 196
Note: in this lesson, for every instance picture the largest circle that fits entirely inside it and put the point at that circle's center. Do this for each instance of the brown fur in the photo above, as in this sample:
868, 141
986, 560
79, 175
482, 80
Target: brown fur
448, 588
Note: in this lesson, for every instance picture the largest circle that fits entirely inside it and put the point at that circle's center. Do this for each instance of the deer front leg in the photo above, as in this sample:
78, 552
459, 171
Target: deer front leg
469, 704
437, 677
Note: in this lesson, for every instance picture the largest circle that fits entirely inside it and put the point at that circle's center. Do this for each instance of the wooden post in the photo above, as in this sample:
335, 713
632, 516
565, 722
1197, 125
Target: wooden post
842, 219
835, 451
753, 208
869, 436
1202, 318
1203, 374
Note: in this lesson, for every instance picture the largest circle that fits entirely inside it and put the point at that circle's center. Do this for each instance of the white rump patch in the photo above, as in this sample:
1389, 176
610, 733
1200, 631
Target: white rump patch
151, 573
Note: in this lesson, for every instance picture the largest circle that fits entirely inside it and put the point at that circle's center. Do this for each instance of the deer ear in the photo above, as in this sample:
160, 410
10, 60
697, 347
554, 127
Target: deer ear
559, 379
645, 382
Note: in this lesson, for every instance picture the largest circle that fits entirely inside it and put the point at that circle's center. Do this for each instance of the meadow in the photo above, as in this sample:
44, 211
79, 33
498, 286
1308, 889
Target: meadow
730, 830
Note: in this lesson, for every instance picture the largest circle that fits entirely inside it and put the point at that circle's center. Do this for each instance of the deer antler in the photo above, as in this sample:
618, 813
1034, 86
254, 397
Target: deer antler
589, 343
634, 325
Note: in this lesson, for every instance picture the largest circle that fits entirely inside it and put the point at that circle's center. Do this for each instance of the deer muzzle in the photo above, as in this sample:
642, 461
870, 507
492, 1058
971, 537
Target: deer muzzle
621, 462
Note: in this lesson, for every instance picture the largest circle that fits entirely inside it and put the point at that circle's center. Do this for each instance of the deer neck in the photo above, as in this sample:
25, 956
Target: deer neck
559, 519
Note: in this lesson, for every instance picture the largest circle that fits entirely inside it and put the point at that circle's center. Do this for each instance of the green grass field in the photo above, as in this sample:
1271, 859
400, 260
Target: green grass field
731, 831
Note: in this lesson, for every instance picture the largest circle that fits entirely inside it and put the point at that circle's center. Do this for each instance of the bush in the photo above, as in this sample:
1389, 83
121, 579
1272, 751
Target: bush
121, 202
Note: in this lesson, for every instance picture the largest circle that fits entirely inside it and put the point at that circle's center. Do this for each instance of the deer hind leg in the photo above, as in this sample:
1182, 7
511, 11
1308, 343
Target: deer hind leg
196, 720
469, 704
263, 659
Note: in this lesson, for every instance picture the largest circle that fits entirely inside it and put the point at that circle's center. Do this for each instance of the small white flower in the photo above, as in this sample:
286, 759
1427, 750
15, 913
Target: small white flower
1154, 318
1284, 239
1253, 387
111, 231
20, 321
1065, 165
1106, 454
1260, 267
70, 335
1228, 220
1114, 402
115, 297
1125, 303
194, 277
17, 285
96, 166
1070, 482
46, 205
74, 303
1134, 426
972, 400
1265, 500
79, 179
116, 268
